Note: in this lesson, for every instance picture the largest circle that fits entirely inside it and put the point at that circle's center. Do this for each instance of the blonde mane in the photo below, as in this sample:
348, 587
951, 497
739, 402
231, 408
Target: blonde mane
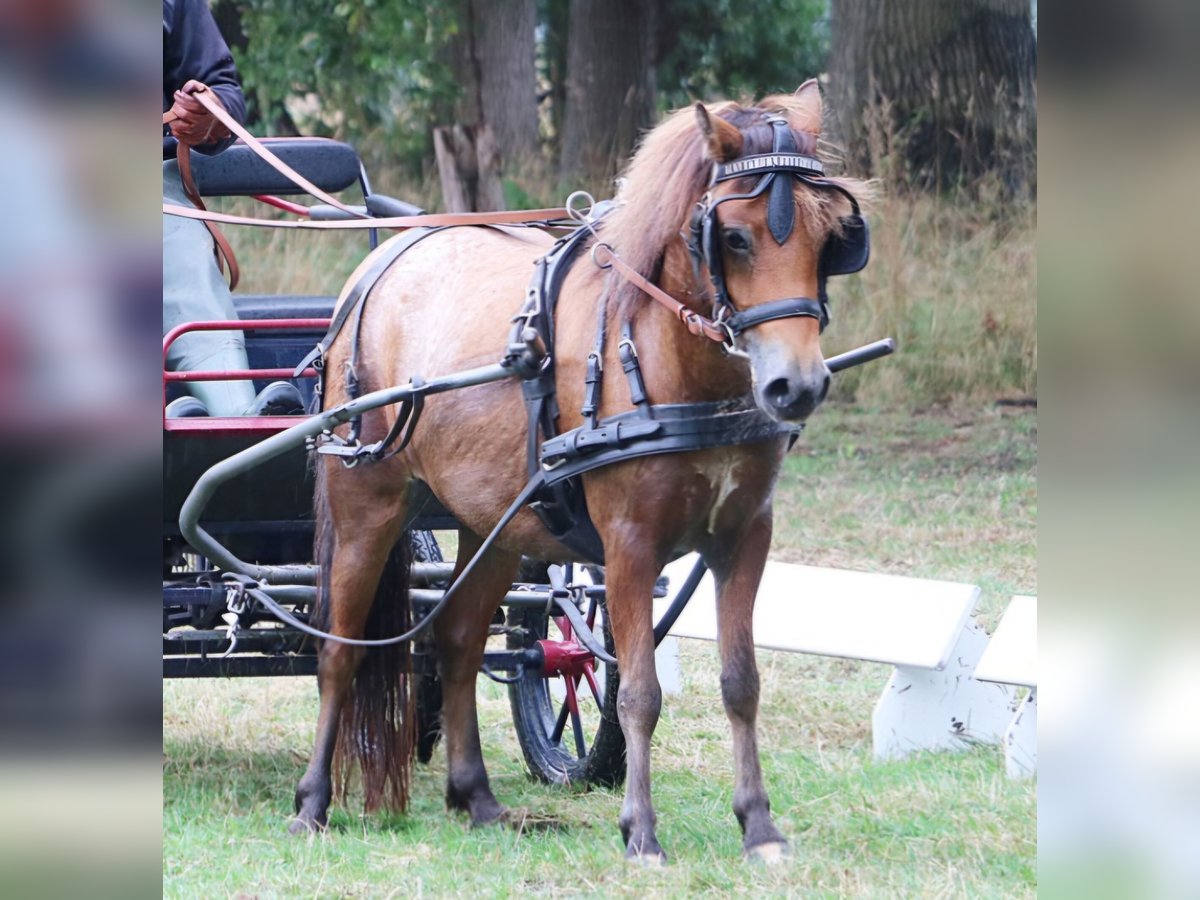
669, 174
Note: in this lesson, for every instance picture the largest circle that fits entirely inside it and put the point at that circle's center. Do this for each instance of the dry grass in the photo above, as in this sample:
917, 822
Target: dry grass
956, 285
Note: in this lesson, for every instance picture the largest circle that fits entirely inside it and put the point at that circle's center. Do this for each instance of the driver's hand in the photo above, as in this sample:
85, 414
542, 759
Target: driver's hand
193, 123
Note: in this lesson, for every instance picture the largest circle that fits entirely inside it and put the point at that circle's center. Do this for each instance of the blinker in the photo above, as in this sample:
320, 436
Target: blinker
848, 253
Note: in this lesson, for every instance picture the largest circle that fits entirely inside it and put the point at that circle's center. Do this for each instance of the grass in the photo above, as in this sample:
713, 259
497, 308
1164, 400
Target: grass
945, 493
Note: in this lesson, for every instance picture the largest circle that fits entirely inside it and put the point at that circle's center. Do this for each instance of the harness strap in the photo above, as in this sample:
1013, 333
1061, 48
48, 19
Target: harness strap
395, 223
699, 325
562, 508
674, 428
535, 484
776, 309
406, 422
384, 257
629, 362
594, 380
222, 249
204, 96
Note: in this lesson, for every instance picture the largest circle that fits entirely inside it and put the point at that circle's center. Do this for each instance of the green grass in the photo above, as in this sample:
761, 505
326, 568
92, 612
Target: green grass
945, 494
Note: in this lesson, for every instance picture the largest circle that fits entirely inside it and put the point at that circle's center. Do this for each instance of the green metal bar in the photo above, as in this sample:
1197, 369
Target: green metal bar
275, 445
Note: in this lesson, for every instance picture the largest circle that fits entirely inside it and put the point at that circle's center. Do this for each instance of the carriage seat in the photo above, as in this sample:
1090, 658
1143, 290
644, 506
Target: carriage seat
283, 306
331, 165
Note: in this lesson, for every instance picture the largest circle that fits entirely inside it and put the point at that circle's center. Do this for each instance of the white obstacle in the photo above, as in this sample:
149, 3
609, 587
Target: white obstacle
922, 628
1011, 658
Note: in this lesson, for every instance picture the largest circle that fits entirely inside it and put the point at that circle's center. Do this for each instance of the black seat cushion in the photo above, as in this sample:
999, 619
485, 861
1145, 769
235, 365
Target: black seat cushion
330, 165
283, 306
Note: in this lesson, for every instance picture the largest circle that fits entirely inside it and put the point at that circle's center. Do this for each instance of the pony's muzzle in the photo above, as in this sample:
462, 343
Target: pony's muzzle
793, 398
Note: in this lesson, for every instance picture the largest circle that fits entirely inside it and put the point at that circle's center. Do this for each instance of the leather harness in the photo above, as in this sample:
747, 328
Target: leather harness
556, 461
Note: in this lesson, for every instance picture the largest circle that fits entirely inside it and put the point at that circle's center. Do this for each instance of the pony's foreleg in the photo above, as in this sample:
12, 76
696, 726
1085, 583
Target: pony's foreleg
737, 577
354, 569
461, 633
630, 574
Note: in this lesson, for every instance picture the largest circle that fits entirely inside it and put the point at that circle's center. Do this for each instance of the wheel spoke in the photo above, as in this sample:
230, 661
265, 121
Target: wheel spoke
591, 680
557, 733
576, 724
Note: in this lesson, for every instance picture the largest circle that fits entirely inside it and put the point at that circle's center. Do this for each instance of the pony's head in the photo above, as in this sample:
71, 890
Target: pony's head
764, 227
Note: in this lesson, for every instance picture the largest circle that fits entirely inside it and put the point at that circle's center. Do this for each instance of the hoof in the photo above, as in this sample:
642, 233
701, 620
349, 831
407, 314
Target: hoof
647, 860
772, 854
489, 814
305, 826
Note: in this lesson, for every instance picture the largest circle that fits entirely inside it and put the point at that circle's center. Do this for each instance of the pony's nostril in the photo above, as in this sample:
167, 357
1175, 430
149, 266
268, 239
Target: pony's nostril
779, 392
824, 388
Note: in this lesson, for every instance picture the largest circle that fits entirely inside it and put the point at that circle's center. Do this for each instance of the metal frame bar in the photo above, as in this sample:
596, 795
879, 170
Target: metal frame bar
291, 438
234, 325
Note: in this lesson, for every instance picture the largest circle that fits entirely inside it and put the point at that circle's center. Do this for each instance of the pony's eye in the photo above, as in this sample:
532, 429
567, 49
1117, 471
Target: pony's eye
736, 240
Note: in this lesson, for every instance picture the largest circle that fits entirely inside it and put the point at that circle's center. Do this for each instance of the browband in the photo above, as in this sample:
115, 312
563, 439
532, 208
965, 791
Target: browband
762, 163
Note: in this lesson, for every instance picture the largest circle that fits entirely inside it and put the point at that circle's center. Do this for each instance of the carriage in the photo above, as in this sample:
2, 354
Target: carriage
279, 530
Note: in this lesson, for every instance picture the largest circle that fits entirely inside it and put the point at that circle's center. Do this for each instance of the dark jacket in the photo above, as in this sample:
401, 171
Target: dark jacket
193, 48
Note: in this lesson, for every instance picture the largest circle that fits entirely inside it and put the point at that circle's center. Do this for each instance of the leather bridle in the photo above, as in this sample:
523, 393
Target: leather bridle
842, 255
777, 169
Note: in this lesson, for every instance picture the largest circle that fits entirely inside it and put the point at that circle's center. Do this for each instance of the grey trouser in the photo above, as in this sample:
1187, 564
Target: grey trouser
194, 289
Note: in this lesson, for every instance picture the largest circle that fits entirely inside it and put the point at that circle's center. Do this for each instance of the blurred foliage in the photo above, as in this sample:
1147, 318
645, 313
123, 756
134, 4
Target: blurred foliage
359, 69
351, 68
739, 48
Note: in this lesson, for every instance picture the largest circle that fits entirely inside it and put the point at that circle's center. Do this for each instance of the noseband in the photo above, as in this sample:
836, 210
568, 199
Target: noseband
842, 255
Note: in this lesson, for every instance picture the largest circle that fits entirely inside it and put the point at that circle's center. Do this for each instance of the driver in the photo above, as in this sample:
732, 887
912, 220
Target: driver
193, 287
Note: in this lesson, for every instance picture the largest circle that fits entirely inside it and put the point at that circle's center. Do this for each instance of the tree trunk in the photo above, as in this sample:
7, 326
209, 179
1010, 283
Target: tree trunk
504, 50
936, 92
468, 167
611, 86
495, 130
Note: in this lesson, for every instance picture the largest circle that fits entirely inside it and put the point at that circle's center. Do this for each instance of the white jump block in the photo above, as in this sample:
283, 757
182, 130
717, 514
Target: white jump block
921, 627
1011, 658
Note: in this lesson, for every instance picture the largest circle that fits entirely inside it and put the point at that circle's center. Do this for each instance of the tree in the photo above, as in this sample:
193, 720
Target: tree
950, 82
490, 130
350, 68
610, 84
739, 48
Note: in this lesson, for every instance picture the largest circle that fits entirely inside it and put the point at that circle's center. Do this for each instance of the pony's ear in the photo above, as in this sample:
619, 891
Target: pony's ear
724, 140
804, 110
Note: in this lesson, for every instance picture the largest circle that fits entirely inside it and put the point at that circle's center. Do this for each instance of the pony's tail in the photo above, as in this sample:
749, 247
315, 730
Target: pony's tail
378, 718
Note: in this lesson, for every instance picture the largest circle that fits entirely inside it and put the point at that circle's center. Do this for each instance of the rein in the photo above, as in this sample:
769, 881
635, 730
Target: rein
222, 249
697, 324
395, 223
203, 95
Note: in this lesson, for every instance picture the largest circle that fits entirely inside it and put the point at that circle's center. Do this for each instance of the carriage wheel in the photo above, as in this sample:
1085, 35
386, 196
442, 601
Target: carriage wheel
424, 547
566, 718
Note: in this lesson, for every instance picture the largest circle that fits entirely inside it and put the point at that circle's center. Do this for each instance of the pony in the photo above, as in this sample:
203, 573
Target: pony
445, 305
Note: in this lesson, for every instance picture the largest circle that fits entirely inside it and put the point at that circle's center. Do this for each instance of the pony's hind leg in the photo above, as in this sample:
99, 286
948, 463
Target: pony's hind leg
737, 577
630, 576
353, 562
461, 633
